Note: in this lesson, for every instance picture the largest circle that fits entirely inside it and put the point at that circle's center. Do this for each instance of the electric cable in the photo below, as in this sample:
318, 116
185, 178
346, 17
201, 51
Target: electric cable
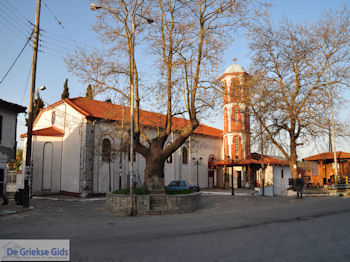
8, 71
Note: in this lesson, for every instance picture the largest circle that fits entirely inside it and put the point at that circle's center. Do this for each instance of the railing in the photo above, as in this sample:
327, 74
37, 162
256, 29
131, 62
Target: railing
342, 182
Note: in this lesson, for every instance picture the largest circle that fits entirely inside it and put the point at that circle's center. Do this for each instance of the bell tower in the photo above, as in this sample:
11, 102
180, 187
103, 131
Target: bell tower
236, 116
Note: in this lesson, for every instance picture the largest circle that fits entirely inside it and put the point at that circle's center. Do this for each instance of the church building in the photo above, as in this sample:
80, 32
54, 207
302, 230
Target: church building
79, 146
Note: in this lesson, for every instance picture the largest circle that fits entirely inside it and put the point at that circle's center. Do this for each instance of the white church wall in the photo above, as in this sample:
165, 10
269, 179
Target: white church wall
46, 157
71, 153
280, 179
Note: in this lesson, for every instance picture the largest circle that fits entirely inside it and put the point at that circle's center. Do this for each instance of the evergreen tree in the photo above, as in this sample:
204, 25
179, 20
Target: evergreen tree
38, 104
89, 93
65, 93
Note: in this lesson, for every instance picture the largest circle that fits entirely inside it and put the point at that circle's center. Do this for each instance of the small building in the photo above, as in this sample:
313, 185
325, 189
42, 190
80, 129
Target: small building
277, 173
323, 167
8, 134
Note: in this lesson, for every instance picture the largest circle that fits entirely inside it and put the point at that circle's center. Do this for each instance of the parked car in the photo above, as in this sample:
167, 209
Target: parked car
181, 185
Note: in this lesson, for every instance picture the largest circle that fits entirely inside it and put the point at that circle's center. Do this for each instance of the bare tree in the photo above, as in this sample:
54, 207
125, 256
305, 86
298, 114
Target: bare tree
297, 66
184, 37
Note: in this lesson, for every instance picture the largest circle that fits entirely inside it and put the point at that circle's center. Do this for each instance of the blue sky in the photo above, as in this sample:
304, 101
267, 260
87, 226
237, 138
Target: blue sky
75, 30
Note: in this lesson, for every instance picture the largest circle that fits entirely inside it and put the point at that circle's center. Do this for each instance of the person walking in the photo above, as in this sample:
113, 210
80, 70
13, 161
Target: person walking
300, 185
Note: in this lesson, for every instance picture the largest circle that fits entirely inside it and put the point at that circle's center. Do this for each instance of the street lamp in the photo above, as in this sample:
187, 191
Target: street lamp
232, 188
94, 7
197, 161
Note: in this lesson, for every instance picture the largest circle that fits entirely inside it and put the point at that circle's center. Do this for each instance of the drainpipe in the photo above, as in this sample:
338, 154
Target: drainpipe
173, 160
93, 157
64, 131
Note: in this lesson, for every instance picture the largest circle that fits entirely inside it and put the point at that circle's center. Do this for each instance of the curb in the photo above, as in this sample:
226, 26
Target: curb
225, 193
70, 199
11, 212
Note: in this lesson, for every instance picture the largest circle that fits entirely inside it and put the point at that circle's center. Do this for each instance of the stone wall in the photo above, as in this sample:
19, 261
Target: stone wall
183, 203
120, 204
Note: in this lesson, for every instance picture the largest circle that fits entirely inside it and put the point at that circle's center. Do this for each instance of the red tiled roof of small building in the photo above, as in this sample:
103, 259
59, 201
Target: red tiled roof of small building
253, 158
103, 110
328, 155
49, 131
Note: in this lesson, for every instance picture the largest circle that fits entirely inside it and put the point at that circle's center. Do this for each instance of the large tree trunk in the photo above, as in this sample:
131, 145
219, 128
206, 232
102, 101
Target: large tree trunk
293, 158
154, 172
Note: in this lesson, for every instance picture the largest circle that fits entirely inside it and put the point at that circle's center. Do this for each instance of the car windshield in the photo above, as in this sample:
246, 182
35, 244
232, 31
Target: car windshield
173, 183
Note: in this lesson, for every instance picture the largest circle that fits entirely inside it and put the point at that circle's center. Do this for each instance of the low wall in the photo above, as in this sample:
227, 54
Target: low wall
183, 203
120, 204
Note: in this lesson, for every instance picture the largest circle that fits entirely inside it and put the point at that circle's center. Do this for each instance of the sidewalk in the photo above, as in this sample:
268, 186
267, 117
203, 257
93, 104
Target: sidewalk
69, 198
228, 191
13, 208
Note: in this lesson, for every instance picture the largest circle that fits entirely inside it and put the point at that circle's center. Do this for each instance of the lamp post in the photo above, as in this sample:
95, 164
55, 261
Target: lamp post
197, 161
232, 188
94, 7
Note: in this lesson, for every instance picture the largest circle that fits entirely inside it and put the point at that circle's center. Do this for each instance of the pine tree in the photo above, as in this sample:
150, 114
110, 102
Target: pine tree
65, 93
89, 93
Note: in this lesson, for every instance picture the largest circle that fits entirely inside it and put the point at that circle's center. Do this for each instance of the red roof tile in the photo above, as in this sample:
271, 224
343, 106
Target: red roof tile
328, 155
103, 110
50, 131
253, 158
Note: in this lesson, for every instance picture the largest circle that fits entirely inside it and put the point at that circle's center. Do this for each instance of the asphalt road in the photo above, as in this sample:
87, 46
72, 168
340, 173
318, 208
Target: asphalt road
225, 229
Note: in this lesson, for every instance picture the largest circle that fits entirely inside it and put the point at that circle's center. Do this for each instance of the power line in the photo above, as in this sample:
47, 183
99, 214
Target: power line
17, 29
18, 13
8, 71
59, 22
15, 18
25, 89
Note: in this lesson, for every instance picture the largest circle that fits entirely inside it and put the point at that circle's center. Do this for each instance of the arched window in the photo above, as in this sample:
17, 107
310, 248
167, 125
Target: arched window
237, 145
184, 156
106, 150
211, 161
236, 116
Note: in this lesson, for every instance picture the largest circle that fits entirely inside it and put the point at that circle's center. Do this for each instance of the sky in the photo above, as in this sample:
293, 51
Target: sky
66, 25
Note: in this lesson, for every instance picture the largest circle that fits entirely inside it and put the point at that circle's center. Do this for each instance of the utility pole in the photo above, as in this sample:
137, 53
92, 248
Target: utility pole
262, 160
131, 54
28, 169
334, 147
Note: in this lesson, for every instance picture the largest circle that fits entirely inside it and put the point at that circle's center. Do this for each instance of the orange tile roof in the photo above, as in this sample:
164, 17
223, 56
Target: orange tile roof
49, 131
103, 110
253, 158
328, 155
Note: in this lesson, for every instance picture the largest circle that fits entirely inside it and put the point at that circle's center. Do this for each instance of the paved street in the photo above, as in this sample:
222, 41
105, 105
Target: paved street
225, 229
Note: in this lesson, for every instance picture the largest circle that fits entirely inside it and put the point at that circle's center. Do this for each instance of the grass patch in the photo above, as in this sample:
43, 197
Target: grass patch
137, 191
179, 192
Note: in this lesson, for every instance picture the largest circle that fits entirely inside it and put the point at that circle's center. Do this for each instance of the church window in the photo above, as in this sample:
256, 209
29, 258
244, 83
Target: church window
106, 150
184, 156
236, 145
236, 115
